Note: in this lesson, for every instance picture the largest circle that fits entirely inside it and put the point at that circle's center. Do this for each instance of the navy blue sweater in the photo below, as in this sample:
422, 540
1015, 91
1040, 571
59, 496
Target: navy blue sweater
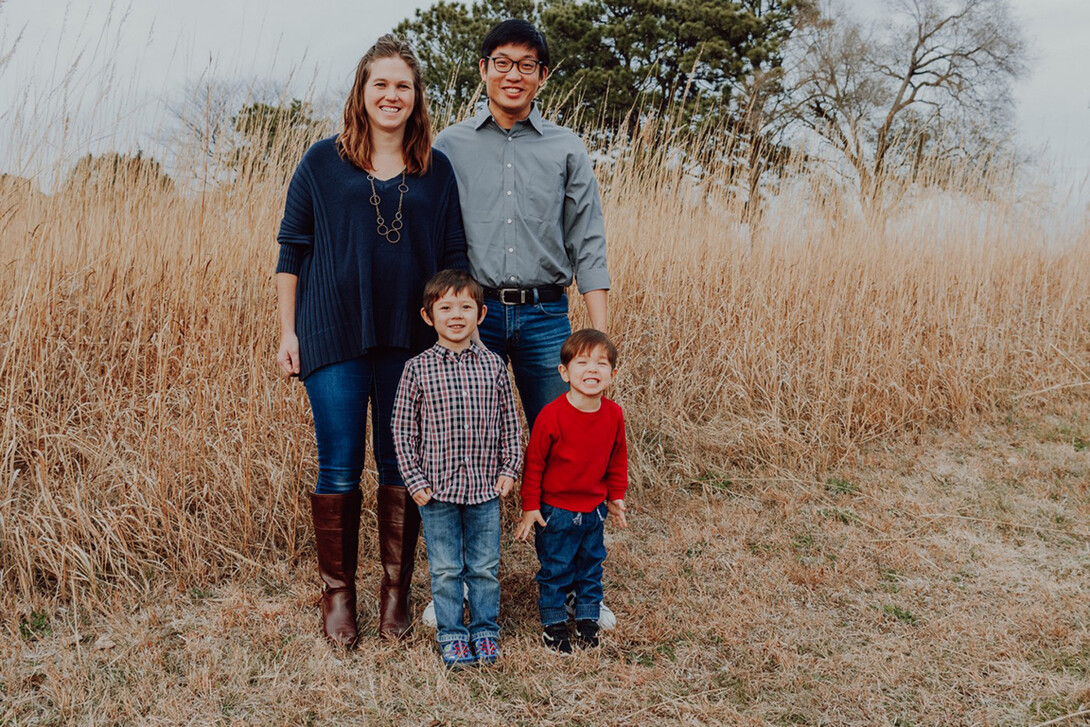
357, 291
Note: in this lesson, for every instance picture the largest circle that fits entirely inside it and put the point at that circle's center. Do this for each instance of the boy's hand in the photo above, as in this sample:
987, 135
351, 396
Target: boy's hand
504, 485
422, 497
526, 524
616, 511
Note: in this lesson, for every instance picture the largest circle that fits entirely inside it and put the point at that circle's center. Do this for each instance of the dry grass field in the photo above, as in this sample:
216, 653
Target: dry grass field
860, 468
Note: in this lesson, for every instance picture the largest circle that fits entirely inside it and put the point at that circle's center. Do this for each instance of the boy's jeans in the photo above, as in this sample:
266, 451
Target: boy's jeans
464, 546
571, 550
530, 335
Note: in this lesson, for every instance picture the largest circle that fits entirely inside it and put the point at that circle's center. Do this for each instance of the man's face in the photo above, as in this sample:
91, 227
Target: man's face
512, 92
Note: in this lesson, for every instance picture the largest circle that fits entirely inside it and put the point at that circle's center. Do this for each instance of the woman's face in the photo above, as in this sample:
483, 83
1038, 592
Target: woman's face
389, 95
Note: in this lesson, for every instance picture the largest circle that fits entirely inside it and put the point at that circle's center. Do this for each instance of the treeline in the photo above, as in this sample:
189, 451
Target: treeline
884, 97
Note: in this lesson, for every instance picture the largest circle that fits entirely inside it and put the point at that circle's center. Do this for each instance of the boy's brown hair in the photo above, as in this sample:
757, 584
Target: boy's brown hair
584, 341
455, 281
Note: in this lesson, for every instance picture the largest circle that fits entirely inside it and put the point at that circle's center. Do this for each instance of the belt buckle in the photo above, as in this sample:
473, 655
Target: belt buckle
521, 296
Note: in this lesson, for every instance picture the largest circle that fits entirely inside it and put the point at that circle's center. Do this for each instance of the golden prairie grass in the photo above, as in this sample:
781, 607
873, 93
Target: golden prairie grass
821, 532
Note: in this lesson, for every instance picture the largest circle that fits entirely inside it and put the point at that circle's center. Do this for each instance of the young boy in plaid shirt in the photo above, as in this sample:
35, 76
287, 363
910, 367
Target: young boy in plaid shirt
457, 436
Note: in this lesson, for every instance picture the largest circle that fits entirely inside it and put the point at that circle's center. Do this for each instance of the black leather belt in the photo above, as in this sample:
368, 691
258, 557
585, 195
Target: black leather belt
521, 296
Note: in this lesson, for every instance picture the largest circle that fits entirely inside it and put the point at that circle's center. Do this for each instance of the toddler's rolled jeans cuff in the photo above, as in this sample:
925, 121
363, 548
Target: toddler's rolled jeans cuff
552, 616
482, 634
588, 612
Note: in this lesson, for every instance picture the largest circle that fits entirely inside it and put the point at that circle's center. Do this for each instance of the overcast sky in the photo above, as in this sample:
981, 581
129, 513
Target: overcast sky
151, 49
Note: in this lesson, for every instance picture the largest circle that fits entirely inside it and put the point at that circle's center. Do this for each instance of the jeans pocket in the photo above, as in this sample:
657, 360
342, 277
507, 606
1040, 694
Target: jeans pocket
555, 516
554, 309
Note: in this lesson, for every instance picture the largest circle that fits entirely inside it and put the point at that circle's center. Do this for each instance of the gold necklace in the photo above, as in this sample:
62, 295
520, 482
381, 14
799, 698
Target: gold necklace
392, 233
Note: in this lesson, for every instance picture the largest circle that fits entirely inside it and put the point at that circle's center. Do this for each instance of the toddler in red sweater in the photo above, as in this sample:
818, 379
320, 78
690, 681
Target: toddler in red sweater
576, 475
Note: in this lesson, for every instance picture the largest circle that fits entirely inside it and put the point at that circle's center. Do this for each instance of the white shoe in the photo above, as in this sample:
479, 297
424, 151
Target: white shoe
428, 617
607, 620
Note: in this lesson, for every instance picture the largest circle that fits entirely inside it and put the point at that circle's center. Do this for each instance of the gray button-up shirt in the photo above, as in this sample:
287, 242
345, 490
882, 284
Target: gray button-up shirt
530, 203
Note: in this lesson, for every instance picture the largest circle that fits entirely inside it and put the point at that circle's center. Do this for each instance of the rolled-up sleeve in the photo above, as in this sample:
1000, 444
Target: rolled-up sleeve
296, 235
584, 225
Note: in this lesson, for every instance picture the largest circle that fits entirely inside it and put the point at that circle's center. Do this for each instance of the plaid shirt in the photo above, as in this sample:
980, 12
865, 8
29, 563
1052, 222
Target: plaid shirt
456, 429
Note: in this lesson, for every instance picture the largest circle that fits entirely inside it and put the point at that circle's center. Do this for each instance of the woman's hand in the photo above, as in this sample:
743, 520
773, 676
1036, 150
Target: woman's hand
288, 355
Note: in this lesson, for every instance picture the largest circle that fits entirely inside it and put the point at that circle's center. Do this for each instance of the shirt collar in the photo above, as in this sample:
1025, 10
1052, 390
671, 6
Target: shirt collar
534, 120
443, 353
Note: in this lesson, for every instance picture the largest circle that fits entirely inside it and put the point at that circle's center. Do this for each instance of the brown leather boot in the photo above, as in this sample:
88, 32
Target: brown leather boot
337, 532
398, 528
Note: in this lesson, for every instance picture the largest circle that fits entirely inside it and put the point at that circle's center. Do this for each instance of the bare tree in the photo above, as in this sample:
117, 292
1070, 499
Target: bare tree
923, 78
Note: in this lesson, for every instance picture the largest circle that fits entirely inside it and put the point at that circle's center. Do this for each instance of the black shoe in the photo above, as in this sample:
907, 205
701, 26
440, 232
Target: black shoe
556, 638
586, 633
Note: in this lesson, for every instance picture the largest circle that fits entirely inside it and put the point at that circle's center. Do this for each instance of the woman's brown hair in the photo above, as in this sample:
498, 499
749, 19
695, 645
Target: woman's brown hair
354, 142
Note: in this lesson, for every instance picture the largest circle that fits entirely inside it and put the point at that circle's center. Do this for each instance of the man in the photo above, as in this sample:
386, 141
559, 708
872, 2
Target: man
532, 214
533, 220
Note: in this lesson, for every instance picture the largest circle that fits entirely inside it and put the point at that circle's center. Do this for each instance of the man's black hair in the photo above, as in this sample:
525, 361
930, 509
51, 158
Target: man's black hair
516, 32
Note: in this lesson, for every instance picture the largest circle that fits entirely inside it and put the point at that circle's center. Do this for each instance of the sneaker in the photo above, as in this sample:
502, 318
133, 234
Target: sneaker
456, 654
487, 650
556, 638
607, 620
586, 633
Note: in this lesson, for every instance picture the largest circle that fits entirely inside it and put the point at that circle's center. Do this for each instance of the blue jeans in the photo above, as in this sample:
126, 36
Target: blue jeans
464, 547
571, 550
530, 336
338, 396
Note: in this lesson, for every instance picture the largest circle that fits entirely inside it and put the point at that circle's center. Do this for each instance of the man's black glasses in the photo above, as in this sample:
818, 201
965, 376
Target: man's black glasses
526, 66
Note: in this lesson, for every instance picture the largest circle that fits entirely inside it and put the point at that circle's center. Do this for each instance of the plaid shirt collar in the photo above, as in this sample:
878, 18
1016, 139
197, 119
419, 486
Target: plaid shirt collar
443, 353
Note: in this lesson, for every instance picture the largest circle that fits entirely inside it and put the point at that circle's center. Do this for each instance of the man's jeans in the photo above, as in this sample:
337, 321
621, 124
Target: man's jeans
571, 550
530, 335
464, 547
338, 396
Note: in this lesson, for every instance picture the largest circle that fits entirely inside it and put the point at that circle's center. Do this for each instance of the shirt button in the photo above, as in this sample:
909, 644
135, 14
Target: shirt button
510, 249
512, 277
509, 193
508, 165
510, 221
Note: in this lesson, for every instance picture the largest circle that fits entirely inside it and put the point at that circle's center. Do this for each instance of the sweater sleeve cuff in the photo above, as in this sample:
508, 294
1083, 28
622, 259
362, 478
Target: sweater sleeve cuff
593, 279
291, 258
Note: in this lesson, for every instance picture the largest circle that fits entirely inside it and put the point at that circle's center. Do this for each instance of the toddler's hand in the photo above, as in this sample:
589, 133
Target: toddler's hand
504, 485
422, 497
526, 524
616, 511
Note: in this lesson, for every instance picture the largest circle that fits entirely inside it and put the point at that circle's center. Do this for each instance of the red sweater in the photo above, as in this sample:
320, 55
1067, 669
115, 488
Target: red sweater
576, 459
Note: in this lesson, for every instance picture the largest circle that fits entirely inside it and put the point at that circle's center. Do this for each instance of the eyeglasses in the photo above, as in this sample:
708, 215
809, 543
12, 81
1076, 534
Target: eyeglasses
526, 66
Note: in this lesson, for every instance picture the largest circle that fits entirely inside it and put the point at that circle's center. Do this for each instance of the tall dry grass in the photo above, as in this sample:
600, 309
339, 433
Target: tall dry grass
147, 436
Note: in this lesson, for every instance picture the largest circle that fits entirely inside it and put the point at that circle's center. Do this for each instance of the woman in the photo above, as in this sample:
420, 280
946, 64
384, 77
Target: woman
371, 214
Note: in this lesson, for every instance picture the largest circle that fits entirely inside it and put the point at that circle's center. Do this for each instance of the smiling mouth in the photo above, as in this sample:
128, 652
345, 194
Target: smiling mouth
389, 109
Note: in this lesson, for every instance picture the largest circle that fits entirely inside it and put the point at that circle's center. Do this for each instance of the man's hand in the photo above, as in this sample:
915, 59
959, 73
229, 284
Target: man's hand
504, 485
616, 511
526, 524
422, 497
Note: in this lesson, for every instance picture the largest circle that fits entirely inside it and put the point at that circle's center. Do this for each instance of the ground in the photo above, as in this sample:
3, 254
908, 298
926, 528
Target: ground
938, 581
